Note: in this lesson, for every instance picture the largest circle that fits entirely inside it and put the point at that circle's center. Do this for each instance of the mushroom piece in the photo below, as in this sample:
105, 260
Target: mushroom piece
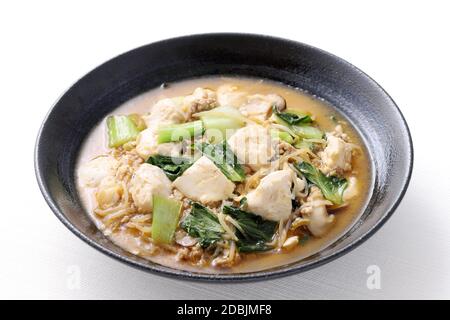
299, 222
290, 243
185, 240
315, 210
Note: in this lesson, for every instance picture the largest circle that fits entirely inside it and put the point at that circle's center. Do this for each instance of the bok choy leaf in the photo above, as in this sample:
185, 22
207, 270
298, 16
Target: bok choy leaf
292, 117
203, 225
299, 123
173, 167
332, 187
224, 159
254, 230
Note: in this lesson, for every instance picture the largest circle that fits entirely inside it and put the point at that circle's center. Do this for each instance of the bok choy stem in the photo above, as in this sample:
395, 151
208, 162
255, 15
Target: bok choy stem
282, 135
121, 129
298, 122
166, 213
179, 132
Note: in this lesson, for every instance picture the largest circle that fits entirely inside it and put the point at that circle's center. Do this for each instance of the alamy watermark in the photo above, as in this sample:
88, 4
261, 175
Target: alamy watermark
373, 281
73, 277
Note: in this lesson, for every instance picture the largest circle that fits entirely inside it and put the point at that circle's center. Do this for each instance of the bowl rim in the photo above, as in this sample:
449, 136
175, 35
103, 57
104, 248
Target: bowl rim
281, 271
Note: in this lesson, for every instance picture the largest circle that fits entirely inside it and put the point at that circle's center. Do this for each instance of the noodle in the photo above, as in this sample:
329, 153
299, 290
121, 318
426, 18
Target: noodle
116, 215
108, 211
232, 252
234, 223
147, 229
225, 226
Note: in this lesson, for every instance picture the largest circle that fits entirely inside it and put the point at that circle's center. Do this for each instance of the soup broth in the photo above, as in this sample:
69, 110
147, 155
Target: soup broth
305, 243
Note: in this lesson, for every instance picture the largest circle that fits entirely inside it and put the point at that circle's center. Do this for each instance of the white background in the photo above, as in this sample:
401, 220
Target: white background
45, 46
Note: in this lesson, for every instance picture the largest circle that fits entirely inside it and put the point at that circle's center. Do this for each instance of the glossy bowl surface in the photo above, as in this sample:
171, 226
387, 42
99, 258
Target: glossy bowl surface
359, 98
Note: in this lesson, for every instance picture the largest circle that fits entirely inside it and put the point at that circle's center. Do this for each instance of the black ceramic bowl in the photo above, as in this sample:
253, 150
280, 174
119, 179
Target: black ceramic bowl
360, 99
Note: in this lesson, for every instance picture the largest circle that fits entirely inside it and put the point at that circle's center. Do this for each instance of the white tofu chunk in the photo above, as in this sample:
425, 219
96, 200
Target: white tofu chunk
253, 146
229, 95
94, 171
337, 156
315, 210
204, 182
272, 199
172, 149
166, 111
147, 181
147, 145
259, 106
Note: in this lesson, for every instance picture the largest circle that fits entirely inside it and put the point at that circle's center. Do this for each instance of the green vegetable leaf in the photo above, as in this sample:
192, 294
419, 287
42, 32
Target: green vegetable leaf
252, 246
300, 124
332, 187
256, 231
203, 225
166, 213
224, 159
254, 226
173, 167
292, 117
243, 203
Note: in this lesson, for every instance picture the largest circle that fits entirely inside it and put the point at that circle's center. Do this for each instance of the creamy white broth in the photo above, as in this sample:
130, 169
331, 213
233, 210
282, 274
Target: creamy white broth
97, 144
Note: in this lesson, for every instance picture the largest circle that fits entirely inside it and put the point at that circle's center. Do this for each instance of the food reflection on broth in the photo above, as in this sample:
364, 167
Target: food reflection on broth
223, 175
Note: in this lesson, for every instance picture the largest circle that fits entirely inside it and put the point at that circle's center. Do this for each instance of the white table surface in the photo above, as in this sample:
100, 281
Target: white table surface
46, 46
